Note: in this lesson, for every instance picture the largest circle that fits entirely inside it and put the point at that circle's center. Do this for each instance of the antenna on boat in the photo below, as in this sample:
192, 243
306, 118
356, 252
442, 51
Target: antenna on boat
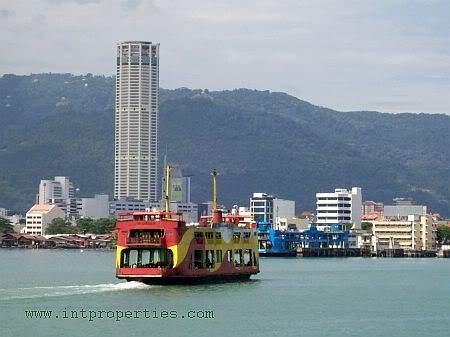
167, 191
214, 175
216, 214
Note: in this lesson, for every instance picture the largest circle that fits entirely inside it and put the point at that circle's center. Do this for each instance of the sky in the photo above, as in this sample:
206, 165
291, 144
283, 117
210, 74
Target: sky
383, 55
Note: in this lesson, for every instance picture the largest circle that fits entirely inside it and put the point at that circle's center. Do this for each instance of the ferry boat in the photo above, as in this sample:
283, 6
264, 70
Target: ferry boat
157, 247
274, 242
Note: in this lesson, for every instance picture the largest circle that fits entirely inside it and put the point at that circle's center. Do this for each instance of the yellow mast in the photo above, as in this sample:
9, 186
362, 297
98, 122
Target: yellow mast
167, 194
214, 174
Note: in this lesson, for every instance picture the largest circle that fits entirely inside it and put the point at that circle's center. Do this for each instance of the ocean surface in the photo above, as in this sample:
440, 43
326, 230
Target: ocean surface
290, 297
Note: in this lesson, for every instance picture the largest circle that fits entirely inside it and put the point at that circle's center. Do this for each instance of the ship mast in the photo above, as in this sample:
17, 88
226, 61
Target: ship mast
214, 175
216, 213
167, 191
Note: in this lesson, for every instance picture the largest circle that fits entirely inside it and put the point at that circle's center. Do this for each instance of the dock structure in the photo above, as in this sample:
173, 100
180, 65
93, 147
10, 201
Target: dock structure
333, 252
420, 253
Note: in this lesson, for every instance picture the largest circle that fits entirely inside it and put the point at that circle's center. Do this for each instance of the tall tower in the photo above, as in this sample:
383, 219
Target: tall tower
137, 122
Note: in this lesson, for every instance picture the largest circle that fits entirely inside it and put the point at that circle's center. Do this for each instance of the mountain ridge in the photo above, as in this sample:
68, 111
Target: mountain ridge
62, 124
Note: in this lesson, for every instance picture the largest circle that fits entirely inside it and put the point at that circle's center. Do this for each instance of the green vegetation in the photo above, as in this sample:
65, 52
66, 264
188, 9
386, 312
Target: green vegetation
60, 226
100, 226
60, 124
443, 235
367, 226
86, 225
6, 226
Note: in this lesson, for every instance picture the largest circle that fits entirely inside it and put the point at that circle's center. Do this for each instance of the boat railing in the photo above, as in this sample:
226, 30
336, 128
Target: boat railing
142, 240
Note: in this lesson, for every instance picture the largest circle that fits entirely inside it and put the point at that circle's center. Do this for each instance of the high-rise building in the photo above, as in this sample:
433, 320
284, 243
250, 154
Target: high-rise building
180, 186
60, 192
340, 207
136, 123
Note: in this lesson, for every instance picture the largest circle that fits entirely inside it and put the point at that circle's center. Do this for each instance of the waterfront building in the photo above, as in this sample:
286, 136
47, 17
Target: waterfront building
3, 212
371, 207
59, 191
136, 121
266, 208
295, 223
40, 216
412, 232
261, 207
128, 204
96, 207
403, 210
188, 210
342, 207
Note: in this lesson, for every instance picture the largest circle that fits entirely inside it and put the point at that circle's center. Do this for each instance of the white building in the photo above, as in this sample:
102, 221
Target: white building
96, 207
60, 192
128, 204
40, 216
266, 208
3, 212
136, 124
340, 207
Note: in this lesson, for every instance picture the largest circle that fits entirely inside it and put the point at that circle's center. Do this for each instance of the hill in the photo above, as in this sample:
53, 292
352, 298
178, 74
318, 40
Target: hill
61, 124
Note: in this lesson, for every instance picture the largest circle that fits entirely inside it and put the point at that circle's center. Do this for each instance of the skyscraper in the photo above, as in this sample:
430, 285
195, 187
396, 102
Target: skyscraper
137, 122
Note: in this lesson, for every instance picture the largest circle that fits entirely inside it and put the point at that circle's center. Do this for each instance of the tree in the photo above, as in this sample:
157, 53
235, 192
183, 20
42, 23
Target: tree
86, 225
366, 226
104, 225
98, 226
443, 234
6, 226
60, 226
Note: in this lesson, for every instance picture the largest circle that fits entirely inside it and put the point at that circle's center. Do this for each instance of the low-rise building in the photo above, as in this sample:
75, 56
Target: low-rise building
40, 216
370, 207
415, 232
95, 208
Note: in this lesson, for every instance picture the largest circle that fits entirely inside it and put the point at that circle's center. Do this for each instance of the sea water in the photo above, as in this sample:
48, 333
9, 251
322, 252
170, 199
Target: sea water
290, 297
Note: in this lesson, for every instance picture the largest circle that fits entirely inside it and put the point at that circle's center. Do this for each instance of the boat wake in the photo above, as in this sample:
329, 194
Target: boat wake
55, 291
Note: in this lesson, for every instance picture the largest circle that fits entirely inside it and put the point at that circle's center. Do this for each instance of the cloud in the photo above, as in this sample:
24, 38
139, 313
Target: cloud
345, 54
5, 13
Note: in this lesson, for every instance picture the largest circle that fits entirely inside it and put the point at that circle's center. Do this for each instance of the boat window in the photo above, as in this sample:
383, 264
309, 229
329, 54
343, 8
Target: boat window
146, 258
229, 256
145, 235
236, 235
218, 235
133, 258
247, 257
209, 235
198, 259
219, 256
246, 235
238, 258
255, 261
198, 234
125, 258
210, 259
